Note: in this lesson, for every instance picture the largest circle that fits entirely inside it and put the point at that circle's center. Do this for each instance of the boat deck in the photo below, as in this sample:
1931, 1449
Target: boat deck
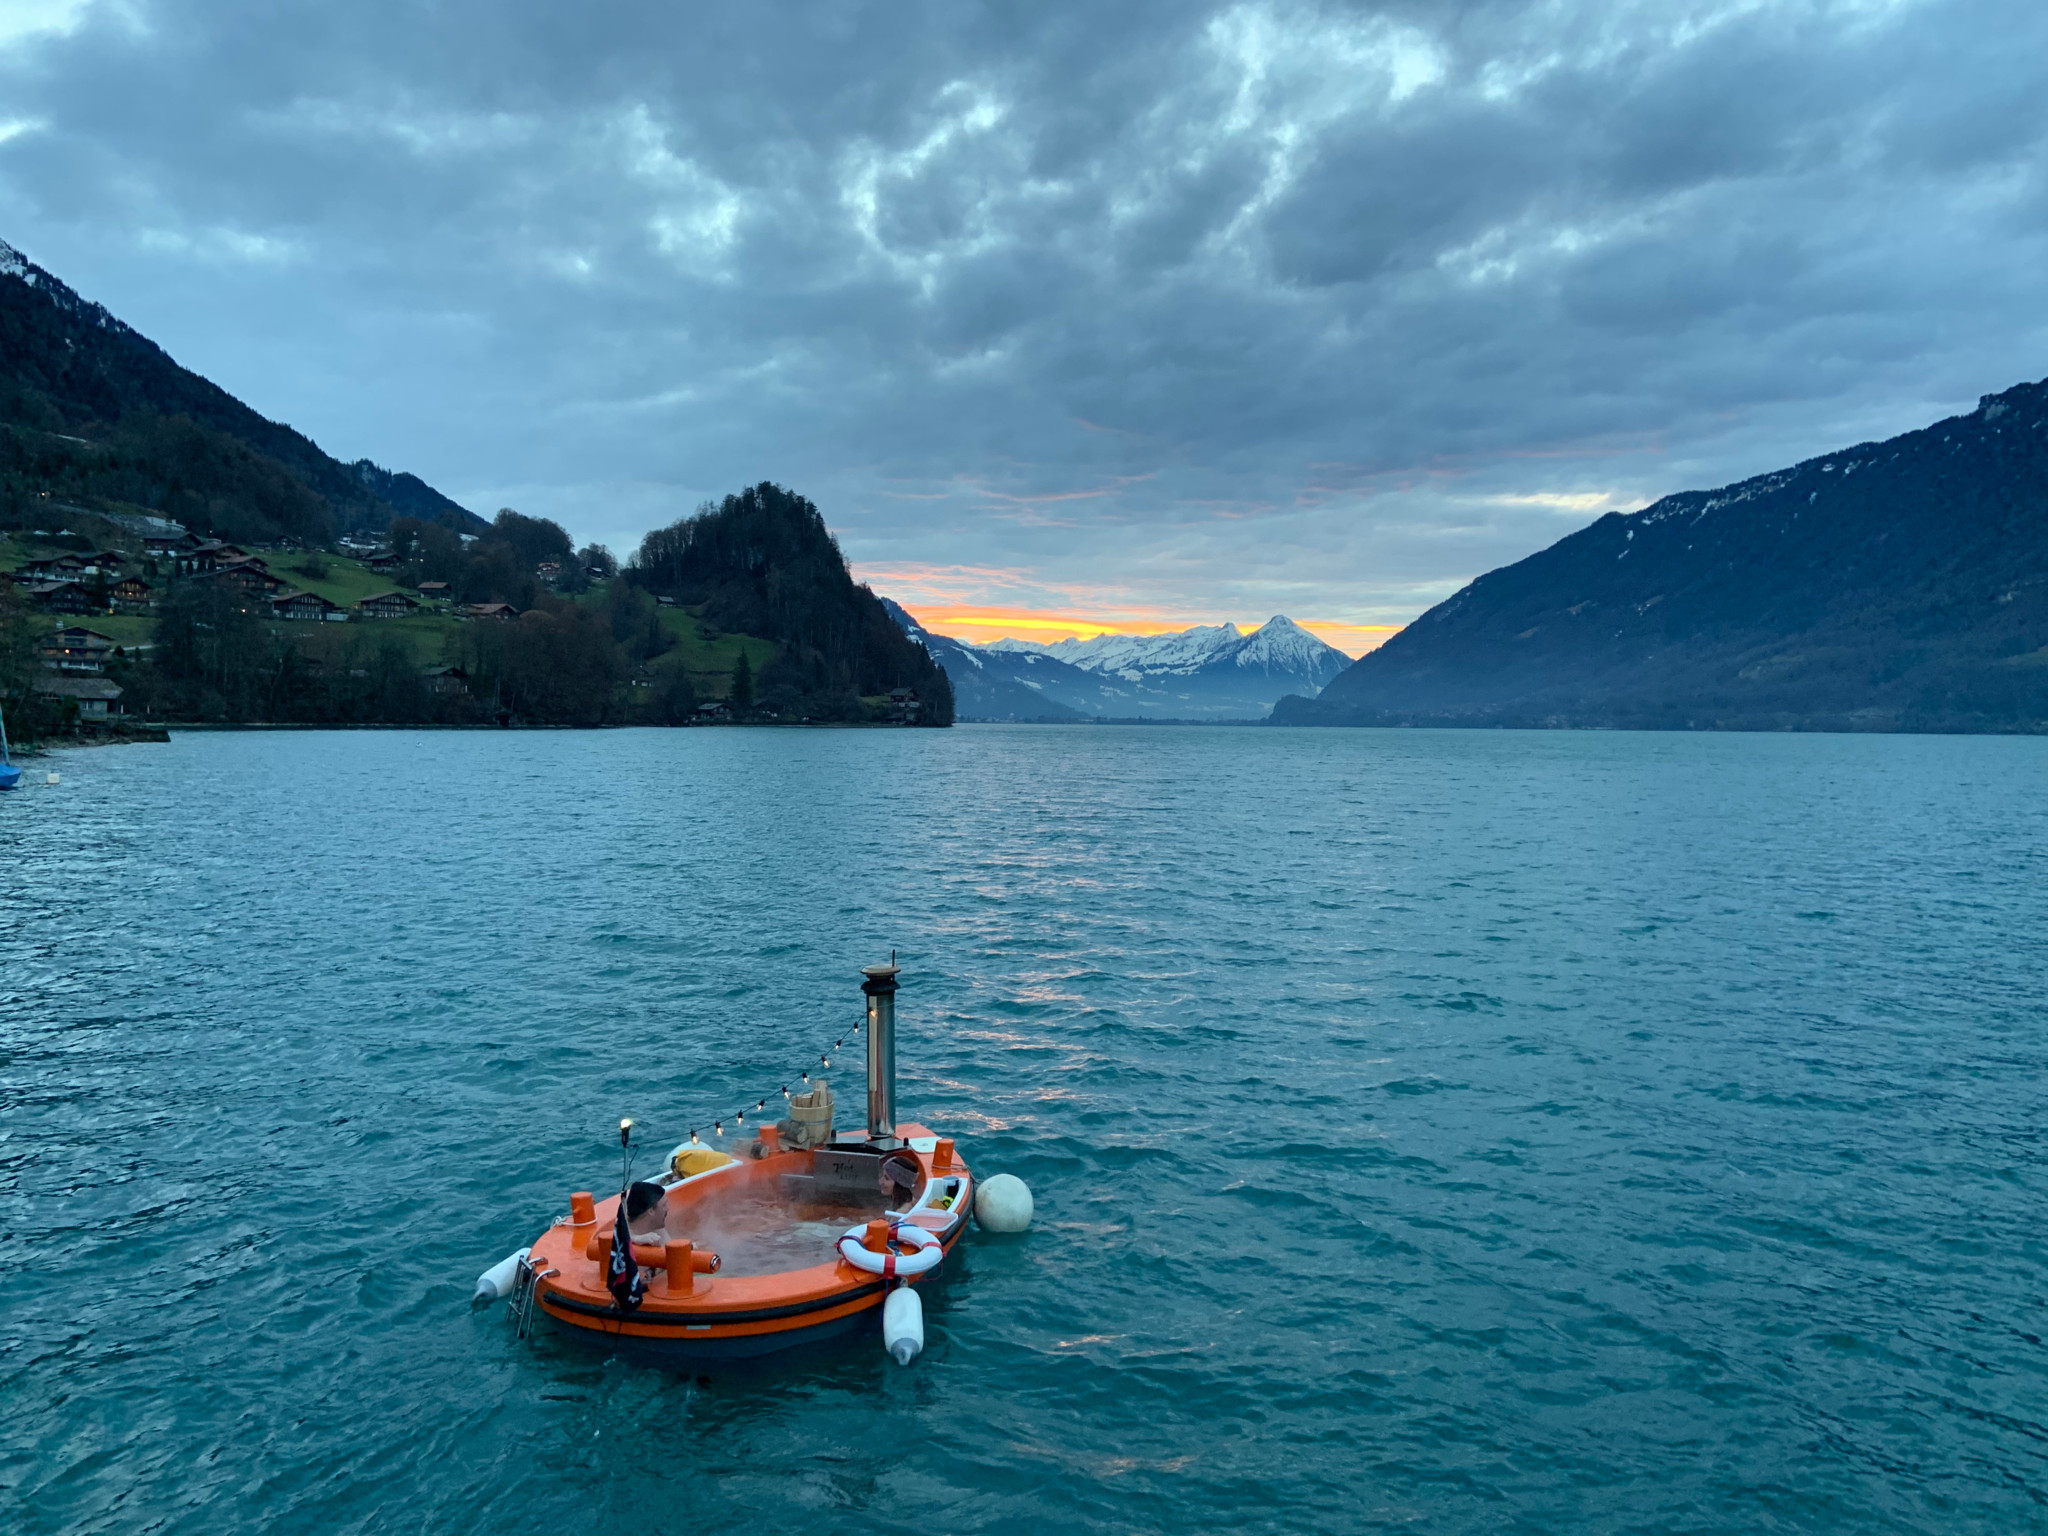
774, 1223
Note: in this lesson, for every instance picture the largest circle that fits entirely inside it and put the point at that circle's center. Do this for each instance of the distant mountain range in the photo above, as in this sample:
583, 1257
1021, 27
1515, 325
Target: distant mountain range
1900, 585
95, 415
1213, 672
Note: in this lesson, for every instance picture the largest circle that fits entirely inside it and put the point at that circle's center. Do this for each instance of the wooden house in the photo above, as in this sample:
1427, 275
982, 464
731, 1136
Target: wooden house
303, 607
60, 597
97, 697
488, 611
387, 605
247, 576
75, 649
131, 594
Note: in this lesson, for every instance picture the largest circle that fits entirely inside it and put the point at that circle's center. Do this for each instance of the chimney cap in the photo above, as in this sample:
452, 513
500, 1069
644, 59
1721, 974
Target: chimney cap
876, 972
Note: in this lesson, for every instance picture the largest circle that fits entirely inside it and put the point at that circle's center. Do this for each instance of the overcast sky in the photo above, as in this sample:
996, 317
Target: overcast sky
1136, 311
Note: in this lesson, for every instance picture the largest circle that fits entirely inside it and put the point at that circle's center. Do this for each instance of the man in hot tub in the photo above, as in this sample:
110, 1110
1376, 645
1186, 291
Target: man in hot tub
646, 1210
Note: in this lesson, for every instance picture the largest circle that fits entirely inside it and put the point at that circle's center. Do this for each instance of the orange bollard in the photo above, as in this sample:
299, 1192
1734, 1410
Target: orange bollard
876, 1239
681, 1271
582, 1209
655, 1256
942, 1155
771, 1140
599, 1248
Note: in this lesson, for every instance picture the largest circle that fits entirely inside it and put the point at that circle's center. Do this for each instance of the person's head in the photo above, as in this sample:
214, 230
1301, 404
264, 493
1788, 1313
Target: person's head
644, 1206
899, 1178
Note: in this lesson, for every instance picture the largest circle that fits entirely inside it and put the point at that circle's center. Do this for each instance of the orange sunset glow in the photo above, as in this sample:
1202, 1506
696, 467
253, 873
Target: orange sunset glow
981, 625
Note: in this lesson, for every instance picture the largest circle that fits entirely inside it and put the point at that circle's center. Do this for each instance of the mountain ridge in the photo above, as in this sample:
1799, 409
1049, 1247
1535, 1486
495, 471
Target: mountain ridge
762, 562
1206, 672
995, 687
1893, 585
1279, 645
93, 411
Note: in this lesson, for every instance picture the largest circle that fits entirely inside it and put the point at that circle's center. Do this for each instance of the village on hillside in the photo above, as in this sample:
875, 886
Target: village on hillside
102, 602
114, 584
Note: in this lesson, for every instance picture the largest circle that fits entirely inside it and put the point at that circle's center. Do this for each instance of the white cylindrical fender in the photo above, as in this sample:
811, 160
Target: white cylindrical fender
903, 1324
1003, 1204
497, 1280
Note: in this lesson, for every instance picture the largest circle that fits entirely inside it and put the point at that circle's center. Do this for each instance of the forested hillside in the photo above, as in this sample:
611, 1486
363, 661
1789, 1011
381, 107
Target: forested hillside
1900, 585
764, 563
512, 627
94, 414
747, 606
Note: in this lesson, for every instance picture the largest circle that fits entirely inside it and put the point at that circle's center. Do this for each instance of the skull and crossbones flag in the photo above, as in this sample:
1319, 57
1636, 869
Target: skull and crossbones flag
623, 1279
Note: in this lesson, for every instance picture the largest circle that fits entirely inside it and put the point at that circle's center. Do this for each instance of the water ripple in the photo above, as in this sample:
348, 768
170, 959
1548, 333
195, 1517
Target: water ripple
1451, 1132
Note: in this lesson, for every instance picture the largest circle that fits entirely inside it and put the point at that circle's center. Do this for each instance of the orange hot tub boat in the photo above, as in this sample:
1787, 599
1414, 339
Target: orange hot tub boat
771, 1246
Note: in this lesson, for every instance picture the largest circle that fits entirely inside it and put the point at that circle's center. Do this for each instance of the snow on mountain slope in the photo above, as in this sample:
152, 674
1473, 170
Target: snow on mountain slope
1182, 651
1209, 672
1276, 648
1000, 687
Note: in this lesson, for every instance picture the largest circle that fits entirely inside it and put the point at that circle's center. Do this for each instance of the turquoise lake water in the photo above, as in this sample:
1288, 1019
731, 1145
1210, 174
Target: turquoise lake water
1432, 1132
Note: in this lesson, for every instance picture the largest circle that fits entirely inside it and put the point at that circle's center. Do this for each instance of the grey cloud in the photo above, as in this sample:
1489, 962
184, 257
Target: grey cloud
1289, 295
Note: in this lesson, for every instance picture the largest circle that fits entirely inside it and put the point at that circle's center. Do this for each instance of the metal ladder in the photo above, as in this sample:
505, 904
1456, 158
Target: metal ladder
526, 1295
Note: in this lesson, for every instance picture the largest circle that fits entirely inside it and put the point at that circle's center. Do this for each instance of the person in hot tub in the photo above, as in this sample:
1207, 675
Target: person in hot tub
899, 1181
646, 1211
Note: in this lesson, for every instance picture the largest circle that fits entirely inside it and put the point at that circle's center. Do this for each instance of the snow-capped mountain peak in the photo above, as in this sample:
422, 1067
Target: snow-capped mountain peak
1208, 672
1278, 645
1180, 651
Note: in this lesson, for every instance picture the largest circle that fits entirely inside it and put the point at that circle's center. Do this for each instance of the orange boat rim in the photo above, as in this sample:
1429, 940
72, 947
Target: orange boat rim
792, 1236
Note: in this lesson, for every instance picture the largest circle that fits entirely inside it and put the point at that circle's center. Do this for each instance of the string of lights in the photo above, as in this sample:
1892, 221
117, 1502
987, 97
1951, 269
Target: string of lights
739, 1116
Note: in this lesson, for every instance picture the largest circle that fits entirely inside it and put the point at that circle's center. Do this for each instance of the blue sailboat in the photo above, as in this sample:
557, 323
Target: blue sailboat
9, 774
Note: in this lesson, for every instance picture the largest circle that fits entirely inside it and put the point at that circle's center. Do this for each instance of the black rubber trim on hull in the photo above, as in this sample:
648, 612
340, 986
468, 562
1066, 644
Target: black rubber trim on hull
612, 1314
693, 1349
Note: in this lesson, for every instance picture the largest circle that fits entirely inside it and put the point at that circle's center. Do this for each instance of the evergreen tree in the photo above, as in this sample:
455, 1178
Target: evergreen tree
763, 563
743, 682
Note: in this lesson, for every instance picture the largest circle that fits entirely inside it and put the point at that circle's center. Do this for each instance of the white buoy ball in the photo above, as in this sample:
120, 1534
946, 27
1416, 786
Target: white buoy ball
1003, 1204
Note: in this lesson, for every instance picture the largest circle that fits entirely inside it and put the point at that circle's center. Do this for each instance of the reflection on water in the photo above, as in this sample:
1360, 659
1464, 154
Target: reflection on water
764, 1228
1452, 1133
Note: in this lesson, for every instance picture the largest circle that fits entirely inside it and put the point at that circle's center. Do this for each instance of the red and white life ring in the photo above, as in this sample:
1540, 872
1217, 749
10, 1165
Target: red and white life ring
890, 1264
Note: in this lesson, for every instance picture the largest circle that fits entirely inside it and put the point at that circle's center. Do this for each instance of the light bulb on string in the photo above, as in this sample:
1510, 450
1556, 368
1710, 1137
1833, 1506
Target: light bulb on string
693, 1136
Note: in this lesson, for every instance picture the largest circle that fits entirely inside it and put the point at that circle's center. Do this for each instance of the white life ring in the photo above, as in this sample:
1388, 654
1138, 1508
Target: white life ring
891, 1264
